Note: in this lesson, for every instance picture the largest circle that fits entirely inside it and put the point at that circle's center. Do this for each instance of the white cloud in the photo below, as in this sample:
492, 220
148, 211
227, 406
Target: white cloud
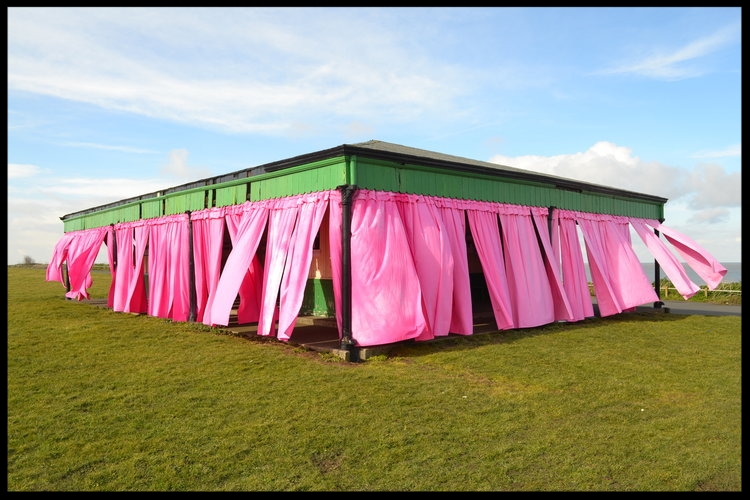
178, 167
607, 164
18, 171
125, 149
672, 65
733, 151
233, 80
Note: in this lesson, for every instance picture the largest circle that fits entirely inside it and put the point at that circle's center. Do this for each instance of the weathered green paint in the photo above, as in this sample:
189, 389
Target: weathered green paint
318, 299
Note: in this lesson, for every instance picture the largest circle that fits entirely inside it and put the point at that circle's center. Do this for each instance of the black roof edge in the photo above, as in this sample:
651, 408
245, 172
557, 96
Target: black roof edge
403, 158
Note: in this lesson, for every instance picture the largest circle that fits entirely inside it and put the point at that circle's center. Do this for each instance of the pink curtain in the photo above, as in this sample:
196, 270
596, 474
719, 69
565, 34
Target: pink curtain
111, 261
169, 267
124, 271
671, 266
486, 235
454, 218
59, 256
702, 262
386, 296
334, 245
531, 293
249, 233
282, 216
208, 241
82, 251
312, 208
619, 281
562, 308
251, 288
130, 288
433, 261
575, 281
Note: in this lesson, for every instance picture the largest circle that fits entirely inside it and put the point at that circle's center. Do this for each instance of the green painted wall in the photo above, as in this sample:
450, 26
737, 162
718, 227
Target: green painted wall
372, 174
318, 299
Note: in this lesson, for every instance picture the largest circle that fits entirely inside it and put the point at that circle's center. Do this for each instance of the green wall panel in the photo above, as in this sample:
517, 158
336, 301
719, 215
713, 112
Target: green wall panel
318, 299
232, 195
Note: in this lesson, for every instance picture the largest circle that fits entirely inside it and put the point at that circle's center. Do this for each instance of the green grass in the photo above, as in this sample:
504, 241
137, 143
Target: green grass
105, 401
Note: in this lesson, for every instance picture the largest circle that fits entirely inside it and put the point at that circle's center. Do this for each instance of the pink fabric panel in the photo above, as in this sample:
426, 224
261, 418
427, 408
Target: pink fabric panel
208, 240
130, 289
299, 258
179, 269
125, 266
462, 321
59, 255
334, 245
562, 308
531, 294
137, 301
386, 296
169, 267
486, 235
619, 281
698, 258
280, 227
575, 281
433, 261
671, 266
82, 253
249, 233
251, 288
111, 262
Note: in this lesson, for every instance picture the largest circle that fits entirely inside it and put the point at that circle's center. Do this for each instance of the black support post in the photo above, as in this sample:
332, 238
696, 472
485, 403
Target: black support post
347, 343
657, 280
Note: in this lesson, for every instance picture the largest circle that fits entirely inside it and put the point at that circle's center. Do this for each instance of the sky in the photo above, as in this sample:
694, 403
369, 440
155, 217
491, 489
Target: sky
110, 103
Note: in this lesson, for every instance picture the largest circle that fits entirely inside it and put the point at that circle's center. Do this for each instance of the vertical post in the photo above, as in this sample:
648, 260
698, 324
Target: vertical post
347, 343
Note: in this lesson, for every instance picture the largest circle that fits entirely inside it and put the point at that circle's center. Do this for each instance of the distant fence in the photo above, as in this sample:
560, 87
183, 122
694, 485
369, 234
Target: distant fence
706, 291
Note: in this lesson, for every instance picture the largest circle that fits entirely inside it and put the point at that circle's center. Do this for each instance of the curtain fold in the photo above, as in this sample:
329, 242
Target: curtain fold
486, 235
208, 242
82, 251
668, 262
169, 268
299, 258
251, 229
575, 281
703, 263
386, 295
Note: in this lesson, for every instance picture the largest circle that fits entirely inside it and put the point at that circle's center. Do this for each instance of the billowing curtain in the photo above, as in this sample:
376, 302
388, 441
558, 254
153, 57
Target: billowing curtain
575, 281
312, 208
454, 219
251, 288
169, 267
668, 262
386, 296
619, 281
249, 232
281, 218
82, 252
59, 256
334, 246
531, 293
208, 240
130, 290
433, 261
702, 262
486, 235
562, 308
130, 287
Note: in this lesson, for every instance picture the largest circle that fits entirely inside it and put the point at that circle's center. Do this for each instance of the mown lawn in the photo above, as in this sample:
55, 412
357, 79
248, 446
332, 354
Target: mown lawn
105, 401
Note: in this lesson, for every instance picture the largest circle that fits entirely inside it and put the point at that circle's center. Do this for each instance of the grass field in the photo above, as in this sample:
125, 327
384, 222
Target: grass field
105, 401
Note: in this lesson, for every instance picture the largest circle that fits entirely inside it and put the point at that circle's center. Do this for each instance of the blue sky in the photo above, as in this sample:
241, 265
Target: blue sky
108, 103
